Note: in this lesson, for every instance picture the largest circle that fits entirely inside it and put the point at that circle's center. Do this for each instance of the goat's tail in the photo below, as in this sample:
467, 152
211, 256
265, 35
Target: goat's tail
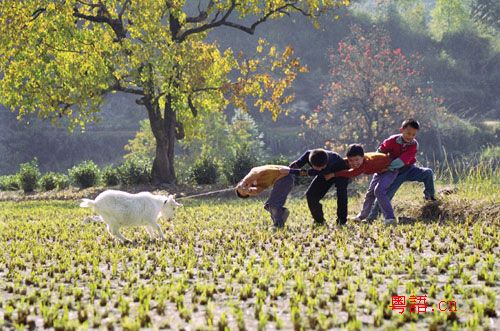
87, 203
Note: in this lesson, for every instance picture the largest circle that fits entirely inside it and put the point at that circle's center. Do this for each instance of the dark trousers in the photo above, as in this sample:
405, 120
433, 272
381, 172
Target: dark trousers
317, 190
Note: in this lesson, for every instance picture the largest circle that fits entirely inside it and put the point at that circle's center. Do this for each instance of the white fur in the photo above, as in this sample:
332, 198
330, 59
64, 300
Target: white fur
117, 209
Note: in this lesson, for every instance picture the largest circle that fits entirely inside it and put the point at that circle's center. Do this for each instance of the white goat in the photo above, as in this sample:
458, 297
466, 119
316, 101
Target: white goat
118, 209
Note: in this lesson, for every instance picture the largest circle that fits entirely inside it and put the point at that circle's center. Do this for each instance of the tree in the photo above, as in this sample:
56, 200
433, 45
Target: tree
448, 16
60, 58
486, 12
372, 89
214, 137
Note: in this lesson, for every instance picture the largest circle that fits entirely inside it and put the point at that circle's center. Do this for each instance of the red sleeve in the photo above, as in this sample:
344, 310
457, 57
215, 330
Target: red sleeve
350, 172
410, 155
385, 146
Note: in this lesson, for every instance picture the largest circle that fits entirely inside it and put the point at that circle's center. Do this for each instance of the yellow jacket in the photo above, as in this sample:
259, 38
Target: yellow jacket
263, 177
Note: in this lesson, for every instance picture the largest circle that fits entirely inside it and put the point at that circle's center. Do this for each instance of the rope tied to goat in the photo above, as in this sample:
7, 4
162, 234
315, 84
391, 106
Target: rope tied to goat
206, 194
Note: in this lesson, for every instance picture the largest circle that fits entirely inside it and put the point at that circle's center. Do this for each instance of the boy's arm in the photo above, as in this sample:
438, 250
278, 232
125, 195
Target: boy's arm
349, 173
408, 157
247, 180
301, 161
255, 190
384, 146
303, 172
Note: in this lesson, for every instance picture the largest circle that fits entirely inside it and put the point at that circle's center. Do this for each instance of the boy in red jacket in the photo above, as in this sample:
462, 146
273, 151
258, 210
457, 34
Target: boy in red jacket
379, 164
408, 172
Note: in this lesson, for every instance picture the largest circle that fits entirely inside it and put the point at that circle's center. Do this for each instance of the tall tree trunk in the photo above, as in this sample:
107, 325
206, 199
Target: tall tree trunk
165, 134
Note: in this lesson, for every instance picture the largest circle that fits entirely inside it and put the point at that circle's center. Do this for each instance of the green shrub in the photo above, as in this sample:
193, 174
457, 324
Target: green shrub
205, 171
183, 173
110, 176
135, 171
491, 154
238, 167
53, 180
85, 174
9, 183
62, 181
279, 160
28, 176
48, 181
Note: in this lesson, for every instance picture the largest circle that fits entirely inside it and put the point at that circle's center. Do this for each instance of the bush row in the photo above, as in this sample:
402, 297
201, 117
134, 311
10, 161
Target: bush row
204, 171
83, 175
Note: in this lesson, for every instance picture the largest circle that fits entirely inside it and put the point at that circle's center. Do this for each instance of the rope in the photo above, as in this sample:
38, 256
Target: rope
207, 193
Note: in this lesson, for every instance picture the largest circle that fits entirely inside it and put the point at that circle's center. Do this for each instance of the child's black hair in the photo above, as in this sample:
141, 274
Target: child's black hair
318, 157
411, 122
355, 150
242, 196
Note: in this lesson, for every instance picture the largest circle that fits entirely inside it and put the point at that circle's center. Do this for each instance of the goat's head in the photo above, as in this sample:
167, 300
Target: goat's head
169, 206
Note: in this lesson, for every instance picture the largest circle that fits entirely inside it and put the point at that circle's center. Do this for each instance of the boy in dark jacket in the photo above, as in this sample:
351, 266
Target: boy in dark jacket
324, 162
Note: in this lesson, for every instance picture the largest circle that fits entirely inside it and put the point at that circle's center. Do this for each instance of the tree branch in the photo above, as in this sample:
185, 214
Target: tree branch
63, 50
91, 5
179, 130
103, 16
206, 27
37, 13
203, 14
117, 87
224, 22
122, 11
194, 111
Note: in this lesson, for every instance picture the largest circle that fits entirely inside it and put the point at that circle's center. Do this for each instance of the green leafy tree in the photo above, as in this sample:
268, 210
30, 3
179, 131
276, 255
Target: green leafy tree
412, 12
142, 146
486, 12
245, 133
214, 137
448, 16
60, 58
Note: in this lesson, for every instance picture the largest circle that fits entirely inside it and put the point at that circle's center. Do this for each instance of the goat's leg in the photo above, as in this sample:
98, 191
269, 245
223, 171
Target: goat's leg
116, 234
151, 231
158, 229
97, 218
94, 218
109, 231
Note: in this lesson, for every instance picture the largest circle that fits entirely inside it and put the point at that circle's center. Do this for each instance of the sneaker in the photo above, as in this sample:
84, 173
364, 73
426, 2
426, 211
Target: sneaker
406, 220
430, 199
319, 223
273, 218
357, 218
390, 221
285, 215
281, 219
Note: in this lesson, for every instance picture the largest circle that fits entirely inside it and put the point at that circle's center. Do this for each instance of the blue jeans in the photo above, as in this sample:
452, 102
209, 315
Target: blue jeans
378, 190
408, 174
277, 198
